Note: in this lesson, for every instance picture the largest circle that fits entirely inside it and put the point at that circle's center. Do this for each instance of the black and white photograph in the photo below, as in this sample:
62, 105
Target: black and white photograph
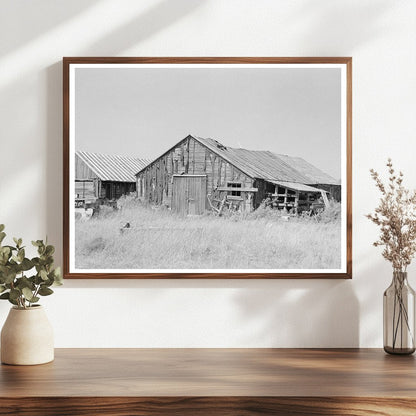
210, 168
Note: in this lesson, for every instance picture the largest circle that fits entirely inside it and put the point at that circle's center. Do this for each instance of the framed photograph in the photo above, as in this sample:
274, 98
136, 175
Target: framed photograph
207, 168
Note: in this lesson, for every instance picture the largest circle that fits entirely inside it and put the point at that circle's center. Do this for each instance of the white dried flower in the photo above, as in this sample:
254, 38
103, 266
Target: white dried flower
396, 217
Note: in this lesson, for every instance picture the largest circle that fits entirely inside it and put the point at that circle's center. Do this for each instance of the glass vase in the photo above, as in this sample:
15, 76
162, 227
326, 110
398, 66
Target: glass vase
399, 316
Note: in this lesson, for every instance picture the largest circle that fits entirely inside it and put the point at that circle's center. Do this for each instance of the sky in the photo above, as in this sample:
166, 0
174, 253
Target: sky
142, 112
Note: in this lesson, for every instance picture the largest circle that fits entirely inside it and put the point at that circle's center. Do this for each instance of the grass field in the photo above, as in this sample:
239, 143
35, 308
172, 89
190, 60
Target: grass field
159, 239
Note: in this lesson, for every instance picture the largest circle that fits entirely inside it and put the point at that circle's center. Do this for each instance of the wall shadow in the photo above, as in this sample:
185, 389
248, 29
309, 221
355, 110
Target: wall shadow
301, 313
54, 146
158, 17
36, 17
336, 17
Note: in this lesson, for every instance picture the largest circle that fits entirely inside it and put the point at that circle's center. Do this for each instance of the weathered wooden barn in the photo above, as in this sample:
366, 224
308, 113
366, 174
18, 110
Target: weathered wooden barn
99, 176
199, 174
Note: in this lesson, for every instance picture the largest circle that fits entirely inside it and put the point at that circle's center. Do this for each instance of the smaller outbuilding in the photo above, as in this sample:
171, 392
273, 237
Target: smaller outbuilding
106, 177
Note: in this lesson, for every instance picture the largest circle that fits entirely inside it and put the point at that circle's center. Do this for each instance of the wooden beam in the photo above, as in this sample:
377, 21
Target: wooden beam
229, 189
234, 198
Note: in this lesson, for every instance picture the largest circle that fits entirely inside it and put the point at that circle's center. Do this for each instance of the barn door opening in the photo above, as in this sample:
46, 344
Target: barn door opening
189, 194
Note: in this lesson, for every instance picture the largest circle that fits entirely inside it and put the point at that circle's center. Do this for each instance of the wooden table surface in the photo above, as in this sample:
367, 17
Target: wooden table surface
212, 381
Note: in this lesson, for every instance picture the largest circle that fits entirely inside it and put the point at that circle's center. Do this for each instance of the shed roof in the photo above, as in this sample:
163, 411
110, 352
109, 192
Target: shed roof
111, 167
269, 166
299, 187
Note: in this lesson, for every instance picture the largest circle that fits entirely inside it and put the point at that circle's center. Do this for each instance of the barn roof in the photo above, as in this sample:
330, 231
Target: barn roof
269, 166
113, 168
312, 173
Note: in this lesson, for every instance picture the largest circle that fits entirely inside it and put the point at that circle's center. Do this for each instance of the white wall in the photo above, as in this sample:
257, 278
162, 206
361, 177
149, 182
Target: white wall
380, 35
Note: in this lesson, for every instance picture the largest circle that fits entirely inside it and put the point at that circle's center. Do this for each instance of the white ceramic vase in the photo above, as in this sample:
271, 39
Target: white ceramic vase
27, 337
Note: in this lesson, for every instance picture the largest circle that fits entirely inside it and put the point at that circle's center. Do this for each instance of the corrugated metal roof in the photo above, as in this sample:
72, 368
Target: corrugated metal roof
268, 165
113, 168
298, 186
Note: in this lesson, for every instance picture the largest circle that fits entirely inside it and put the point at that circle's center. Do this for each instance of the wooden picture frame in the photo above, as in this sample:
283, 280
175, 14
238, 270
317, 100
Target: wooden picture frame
275, 182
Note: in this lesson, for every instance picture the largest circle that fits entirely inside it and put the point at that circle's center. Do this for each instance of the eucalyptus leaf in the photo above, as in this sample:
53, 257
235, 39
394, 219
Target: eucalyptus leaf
4, 256
15, 294
11, 248
45, 291
27, 293
5, 250
26, 264
21, 255
24, 282
48, 259
2, 227
5, 295
57, 272
37, 280
13, 301
43, 275
49, 282
9, 277
58, 276
49, 250
2, 236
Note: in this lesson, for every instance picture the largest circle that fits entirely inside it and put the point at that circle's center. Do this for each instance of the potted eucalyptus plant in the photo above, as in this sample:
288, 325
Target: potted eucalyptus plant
27, 335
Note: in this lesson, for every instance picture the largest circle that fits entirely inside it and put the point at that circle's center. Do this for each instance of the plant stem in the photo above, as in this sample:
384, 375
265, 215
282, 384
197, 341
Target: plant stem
394, 315
401, 314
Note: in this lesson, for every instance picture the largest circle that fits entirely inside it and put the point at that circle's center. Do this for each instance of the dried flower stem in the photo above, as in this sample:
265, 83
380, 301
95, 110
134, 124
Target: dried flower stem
396, 217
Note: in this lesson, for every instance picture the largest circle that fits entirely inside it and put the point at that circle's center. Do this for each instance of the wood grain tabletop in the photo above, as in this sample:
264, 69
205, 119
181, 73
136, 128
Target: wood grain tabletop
239, 379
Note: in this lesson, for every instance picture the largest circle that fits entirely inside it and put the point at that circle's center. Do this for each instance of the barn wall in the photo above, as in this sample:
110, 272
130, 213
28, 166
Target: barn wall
187, 157
85, 189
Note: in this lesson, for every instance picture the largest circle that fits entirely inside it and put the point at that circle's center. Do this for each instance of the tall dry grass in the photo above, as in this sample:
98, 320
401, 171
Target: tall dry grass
159, 239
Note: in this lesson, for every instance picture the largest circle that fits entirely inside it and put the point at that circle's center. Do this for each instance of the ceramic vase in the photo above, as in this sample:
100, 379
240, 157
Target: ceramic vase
27, 337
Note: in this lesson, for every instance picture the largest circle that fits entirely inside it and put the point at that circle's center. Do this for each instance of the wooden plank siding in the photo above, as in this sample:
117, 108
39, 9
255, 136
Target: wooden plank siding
189, 157
85, 189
